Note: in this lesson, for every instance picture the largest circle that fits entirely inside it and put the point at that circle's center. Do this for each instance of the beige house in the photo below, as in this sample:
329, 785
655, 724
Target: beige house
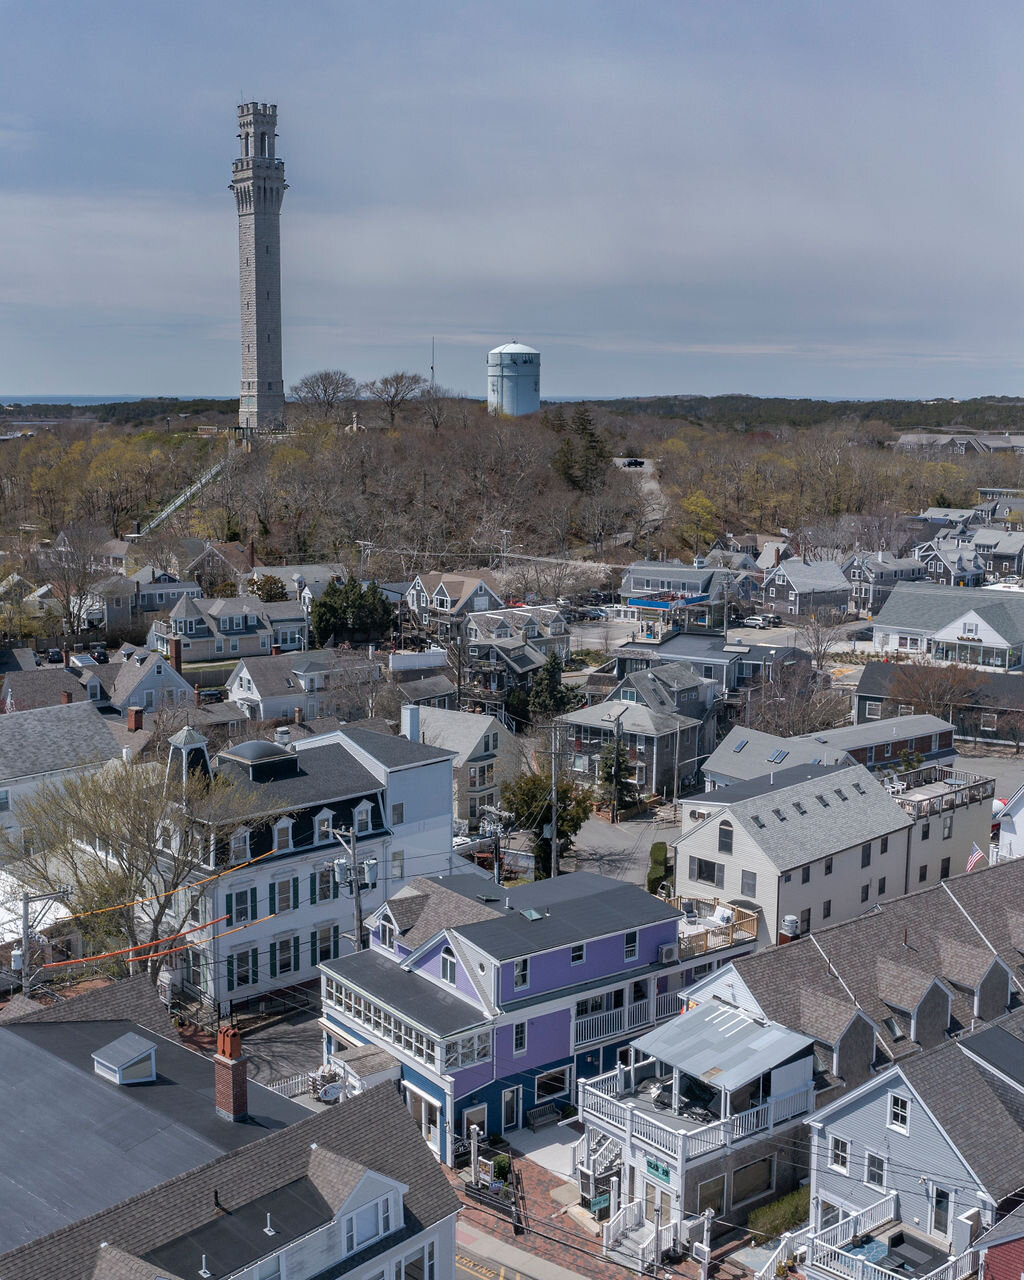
485, 755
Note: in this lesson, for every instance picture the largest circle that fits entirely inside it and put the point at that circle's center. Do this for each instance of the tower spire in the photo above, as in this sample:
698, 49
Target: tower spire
257, 179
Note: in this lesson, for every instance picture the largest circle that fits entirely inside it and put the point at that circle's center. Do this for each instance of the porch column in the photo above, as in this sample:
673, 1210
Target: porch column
675, 1090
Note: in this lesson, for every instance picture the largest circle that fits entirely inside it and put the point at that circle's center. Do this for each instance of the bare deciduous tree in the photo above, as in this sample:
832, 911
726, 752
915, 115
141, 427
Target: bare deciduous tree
73, 570
324, 396
930, 689
119, 835
796, 701
819, 632
394, 390
435, 402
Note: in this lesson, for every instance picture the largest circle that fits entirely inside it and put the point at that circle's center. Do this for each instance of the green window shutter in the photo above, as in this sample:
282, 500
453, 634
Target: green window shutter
254, 962
252, 905
231, 973
314, 956
296, 961
335, 941
229, 899
312, 888
273, 899
273, 960
295, 893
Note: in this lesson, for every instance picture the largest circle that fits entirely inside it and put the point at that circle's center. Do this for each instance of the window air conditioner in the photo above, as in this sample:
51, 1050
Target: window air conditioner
668, 953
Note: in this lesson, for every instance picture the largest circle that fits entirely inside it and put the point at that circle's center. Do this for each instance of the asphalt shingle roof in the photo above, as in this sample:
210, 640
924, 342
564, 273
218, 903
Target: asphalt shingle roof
393, 752
927, 608
48, 739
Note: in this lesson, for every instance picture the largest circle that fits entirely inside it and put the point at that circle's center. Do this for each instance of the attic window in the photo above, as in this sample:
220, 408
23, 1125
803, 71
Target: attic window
840, 793
799, 807
779, 814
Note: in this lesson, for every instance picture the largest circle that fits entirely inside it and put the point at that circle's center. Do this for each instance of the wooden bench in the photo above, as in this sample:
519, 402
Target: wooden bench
538, 1117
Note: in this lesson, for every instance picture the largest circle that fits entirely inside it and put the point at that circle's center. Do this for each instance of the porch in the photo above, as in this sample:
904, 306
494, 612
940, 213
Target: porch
875, 1245
709, 924
638, 1014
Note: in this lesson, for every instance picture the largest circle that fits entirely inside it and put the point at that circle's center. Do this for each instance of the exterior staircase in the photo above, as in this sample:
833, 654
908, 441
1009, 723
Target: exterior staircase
605, 1153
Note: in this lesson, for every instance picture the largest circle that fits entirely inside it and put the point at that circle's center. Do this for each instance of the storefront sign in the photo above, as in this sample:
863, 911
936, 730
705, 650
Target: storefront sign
657, 1170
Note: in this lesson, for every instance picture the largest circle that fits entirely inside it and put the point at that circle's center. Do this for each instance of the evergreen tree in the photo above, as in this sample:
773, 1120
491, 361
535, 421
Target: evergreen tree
267, 587
528, 799
549, 697
613, 774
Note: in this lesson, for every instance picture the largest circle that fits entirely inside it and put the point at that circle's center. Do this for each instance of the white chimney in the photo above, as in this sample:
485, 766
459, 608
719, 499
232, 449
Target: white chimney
126, 754
411, 722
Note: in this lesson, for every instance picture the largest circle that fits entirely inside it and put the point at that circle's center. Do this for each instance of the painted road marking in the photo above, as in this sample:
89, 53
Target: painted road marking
476, 1268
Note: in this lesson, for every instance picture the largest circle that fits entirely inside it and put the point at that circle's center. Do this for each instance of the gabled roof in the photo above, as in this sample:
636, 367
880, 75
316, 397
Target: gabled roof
43, 687
794, 821
746, 754
425, 907
814, 575
457, 731
632, 717
49, 739
132, 672
951, 933
460, 588
234, 555
922, 607
277, 674
393, 752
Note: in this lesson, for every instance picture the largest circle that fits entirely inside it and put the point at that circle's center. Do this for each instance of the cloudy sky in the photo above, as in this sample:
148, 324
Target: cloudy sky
773, 197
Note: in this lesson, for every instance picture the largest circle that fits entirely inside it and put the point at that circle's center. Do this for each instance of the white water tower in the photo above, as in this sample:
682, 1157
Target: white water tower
513, 380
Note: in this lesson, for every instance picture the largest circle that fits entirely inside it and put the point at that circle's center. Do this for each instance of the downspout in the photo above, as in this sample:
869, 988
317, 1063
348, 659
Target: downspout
906, 876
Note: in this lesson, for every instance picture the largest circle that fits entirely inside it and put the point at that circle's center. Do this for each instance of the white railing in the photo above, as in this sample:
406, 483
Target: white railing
598, 1026
579, 1154
656, 1243
657, 1135
608, 1109
752, 1121
628, 1218
791, 1104
638, 1015
606, 1084
667, 1005
792, 1242
875, 1214
957, 1268
826, 1248
292, 1086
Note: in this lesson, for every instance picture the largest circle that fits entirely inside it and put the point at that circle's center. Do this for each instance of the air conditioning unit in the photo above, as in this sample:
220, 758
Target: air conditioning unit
697, 815
668, 953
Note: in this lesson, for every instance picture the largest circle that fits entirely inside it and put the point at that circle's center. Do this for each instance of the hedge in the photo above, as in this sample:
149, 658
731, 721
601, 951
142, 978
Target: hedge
789, 1211
657, 869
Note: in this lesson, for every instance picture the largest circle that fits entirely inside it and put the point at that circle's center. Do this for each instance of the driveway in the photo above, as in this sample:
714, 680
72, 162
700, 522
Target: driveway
287, 1048
622, 851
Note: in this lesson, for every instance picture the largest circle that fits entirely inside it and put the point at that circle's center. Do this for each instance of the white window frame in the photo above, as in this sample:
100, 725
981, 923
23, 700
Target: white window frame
631, 949
876, 1155
449, 966
279, 825
580, 947
239, 841
286, 885
565, 1072
521, 973
891, 1107
839, 1161
361, 818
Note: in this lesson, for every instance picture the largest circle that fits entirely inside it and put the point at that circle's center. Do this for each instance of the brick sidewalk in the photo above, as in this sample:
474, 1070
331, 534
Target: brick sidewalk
553, 1236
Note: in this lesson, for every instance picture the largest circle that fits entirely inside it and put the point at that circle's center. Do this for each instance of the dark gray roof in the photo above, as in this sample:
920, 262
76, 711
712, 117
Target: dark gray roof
417, 690
885, 959
393, 752
123, 1051
976, 688
417, 999
132, 999
327, 772
76, 1143
41, 687
1010, 1228
570, 908
982, 1116
275, 675
927, 608
841, 808
52, 738
301, 1175
817, 575
744, 754
423, 907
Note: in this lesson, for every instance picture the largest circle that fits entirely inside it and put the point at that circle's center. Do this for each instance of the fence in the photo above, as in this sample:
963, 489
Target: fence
292, 1086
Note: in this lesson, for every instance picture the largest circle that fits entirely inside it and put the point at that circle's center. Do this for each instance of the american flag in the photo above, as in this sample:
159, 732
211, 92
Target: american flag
975, 858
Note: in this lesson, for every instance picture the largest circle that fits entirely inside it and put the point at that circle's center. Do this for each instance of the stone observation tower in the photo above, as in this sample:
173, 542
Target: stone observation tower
259, 186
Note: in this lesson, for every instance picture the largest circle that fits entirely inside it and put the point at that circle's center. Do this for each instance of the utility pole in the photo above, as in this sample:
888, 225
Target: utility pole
615, 770
351, 870
554, 798
364, 546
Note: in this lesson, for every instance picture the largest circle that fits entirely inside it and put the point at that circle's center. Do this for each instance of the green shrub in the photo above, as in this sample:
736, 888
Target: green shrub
656, 871
784, 1214
502, 1167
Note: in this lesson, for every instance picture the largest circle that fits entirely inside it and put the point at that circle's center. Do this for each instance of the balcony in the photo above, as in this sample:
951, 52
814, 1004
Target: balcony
709, 924
875, 1245
619, 1022
687, 1130
937, 789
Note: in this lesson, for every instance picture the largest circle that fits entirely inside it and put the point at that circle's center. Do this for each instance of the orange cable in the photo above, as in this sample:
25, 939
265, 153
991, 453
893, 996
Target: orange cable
155, 955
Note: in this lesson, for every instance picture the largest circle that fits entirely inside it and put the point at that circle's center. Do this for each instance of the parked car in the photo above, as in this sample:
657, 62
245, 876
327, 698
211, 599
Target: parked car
755, 620
98, 653
633, 462
54, 655
211, 695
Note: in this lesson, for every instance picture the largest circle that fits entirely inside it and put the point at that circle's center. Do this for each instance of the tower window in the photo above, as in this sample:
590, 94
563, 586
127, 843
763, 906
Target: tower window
263, 144
270, 386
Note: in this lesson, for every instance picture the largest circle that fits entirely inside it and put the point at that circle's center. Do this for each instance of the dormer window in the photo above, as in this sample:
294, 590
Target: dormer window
240, 846
362, 817
367, 1224
387, 934
448, 966
283, 835
323, 827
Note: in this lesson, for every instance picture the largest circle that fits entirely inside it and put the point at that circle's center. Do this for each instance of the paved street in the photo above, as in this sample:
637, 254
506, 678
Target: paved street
622, 851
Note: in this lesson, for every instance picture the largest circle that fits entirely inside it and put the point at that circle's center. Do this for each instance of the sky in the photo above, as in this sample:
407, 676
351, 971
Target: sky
776, 198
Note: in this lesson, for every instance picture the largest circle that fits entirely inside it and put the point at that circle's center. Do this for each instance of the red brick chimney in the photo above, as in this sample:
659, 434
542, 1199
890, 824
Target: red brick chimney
174, 654
778, 556
133, 717
65, 697
230, 1076
67, 658
195, 695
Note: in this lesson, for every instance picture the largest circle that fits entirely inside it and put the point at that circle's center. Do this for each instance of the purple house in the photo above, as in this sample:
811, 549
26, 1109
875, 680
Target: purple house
495, 1001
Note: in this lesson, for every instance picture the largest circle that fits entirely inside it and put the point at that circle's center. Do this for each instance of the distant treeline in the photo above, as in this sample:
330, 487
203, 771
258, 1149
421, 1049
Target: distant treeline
991, 413
123, 413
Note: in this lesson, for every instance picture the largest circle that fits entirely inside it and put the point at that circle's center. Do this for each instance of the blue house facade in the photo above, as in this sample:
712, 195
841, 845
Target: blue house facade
496, 1001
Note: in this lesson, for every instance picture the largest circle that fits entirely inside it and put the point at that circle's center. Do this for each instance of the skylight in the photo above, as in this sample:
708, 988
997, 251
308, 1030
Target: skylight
799, 807
531, 914
840, 793
777, 757
758, 821
859, 789
822, 801
741, 744
779, 814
